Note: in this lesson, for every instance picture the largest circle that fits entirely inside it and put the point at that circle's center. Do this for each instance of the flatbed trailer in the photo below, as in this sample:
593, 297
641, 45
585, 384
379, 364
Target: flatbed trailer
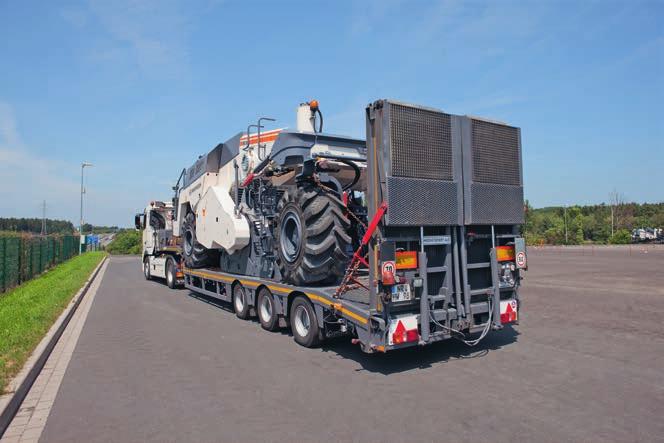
441, 256
374, 330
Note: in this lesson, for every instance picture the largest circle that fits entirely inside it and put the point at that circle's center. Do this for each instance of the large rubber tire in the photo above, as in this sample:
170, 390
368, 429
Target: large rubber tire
304, 324
312, 242
240, 302
146, 269
195, 254
266, 310
171, 278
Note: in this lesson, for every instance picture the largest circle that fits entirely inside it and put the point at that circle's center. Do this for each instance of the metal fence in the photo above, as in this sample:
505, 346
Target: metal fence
23, 257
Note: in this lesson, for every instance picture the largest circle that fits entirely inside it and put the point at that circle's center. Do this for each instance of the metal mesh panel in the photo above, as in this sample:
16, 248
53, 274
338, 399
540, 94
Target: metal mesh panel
421, 143
497, 204
495, 153
421, 202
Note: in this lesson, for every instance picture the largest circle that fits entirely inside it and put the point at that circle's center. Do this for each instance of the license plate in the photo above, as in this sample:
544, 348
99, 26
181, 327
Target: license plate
401, 293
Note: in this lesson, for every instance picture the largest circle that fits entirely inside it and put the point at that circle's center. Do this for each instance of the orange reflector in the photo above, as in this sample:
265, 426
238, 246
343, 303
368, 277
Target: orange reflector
406, 259
505, 253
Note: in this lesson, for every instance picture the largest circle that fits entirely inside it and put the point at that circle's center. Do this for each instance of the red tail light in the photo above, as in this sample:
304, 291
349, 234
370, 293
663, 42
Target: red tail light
505, 253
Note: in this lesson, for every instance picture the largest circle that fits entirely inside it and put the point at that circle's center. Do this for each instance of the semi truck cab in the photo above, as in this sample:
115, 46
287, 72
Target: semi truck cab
160, 249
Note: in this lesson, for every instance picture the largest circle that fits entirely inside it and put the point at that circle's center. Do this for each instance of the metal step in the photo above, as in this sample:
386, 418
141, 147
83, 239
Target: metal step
483, 291
479, 265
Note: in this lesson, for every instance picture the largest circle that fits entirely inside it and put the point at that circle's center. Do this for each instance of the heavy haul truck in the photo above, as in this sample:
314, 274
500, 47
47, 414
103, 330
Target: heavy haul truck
406, 238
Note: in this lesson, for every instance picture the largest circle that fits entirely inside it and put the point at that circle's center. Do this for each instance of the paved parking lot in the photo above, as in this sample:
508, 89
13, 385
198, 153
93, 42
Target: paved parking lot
585, 364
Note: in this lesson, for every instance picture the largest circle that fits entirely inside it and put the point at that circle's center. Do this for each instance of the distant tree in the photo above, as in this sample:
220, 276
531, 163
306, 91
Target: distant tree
126, 242
621, 237
34, 225
590, 223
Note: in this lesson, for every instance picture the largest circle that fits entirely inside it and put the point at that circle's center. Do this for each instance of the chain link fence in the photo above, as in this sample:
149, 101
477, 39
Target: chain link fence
22, 257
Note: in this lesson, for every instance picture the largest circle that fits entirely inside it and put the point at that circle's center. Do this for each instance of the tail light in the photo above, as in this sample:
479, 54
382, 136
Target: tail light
406, 259
505, 253
403, 335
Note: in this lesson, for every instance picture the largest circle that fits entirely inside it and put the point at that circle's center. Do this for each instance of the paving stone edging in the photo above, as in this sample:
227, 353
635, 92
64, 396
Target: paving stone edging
20, 385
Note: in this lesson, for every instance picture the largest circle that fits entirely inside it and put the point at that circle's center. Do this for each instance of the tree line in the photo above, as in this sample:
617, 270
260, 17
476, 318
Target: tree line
34, 226
603, 223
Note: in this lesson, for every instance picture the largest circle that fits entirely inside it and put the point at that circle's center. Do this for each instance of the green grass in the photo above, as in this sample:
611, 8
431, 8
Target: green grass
28, 311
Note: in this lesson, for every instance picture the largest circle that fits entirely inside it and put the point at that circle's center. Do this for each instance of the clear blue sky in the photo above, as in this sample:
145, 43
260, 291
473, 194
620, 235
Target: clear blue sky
140, 88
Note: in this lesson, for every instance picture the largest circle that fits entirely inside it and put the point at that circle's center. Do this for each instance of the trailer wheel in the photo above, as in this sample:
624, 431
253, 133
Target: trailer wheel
171, 278
304, 323
265, 308
240, 302
312, 242
195, 254
146, 268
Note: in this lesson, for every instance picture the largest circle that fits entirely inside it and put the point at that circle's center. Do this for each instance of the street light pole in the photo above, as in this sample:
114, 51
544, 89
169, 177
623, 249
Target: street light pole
566, 241
80, 225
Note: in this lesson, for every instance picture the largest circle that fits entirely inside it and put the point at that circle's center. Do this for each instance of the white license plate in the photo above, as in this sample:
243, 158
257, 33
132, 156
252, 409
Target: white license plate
401, 293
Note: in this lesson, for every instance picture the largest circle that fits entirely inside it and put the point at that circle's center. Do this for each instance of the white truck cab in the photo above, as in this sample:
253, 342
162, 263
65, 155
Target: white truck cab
160, 249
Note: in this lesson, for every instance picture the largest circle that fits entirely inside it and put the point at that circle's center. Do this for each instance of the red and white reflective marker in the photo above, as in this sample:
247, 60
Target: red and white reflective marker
521, 259
403, 329
508, 312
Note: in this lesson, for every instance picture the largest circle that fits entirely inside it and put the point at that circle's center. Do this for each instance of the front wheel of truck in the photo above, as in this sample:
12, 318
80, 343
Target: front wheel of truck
171, 278
146, 268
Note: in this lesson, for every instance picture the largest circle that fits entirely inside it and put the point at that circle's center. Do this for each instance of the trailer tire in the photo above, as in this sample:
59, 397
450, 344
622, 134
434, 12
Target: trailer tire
195, 254
312, 242
146, 268
304, 323
171, 278
266, 310
240, 302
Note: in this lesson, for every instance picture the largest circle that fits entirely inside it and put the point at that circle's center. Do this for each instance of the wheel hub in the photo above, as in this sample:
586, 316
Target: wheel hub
302, 321
290, 239
188, 242
239, 300
266, 309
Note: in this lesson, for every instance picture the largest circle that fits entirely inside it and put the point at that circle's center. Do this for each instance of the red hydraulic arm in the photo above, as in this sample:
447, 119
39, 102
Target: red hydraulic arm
358, 257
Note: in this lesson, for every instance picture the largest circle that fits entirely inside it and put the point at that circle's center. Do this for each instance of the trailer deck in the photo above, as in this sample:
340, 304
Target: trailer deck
351, 312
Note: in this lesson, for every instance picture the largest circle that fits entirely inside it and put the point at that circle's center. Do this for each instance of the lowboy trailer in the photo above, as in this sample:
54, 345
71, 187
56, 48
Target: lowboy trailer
428, 232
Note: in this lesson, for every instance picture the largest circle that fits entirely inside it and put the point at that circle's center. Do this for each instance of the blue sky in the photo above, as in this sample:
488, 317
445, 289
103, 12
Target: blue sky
141, 87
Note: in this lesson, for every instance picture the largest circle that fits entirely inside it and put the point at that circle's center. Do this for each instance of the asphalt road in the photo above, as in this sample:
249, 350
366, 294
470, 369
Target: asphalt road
585, 364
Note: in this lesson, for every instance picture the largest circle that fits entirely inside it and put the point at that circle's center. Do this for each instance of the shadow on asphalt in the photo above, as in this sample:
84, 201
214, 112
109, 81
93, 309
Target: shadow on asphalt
398, 360
421, 357
212, 301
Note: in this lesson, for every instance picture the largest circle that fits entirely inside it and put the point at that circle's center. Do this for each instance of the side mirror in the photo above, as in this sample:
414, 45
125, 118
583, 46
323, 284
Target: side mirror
138, 222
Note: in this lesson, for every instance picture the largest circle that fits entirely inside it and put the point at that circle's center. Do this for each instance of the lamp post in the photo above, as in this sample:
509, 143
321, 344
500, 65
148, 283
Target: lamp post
80, 226
566, 241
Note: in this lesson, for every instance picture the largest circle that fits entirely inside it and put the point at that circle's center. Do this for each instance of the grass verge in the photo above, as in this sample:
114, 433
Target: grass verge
28, 311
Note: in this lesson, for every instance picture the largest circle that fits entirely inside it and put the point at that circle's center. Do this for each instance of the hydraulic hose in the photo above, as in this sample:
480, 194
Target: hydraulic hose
320, 124
356, 169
